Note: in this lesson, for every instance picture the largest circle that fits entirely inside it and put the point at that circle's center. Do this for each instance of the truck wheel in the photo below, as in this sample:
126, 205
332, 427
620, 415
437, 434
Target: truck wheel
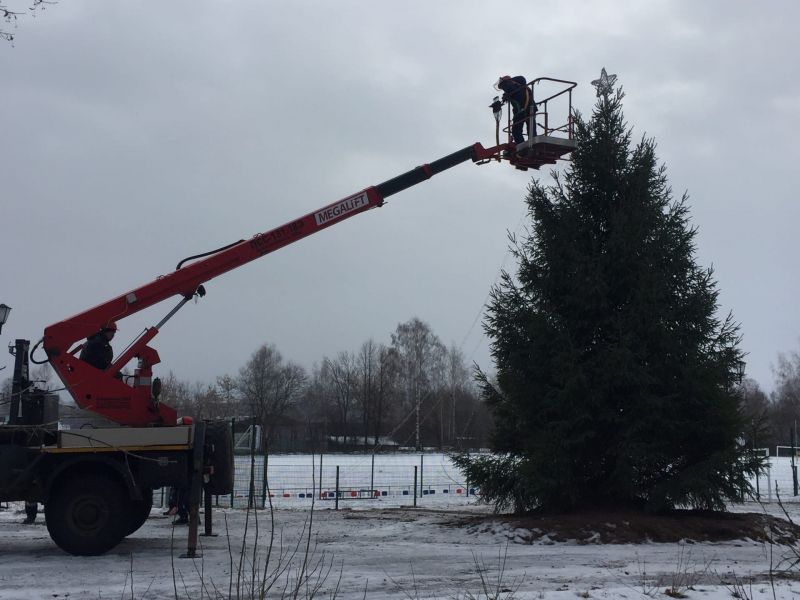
138, 511
86, 514
219, 455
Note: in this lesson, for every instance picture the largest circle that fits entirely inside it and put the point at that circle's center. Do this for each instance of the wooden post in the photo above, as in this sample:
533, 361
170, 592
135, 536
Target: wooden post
208, 525
794, 466
415, 485
421, 473
337, 488
467, 478
264, 465
320, 475
233, 437
372, 478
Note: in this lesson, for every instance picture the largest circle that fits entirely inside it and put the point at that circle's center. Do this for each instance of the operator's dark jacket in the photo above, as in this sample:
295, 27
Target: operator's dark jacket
97, 351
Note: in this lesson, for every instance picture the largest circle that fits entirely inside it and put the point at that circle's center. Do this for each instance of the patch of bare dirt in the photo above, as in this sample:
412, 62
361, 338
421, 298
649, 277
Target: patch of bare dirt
612, 527
607, 526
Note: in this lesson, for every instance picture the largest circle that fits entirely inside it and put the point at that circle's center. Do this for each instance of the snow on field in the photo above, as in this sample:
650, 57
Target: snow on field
380, 548
389, 552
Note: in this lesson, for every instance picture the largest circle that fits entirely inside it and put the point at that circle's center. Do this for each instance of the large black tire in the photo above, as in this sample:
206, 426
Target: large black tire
86, 514
218, 453
139, 510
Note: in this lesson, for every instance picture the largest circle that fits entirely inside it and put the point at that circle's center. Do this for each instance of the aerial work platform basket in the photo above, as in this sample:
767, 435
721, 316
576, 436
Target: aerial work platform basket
549, 130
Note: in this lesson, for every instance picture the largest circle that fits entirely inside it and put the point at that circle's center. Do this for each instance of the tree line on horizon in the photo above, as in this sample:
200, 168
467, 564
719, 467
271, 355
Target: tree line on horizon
353, 388
774, 419
412, 392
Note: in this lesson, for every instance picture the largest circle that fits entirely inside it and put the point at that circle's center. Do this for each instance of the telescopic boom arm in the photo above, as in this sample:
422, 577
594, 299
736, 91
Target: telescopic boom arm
137, 405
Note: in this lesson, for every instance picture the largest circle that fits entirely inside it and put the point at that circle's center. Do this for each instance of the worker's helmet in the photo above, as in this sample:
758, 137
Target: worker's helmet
110, 326
501, 80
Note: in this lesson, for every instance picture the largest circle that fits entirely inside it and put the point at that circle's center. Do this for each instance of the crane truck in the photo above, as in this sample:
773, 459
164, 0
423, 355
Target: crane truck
97, 483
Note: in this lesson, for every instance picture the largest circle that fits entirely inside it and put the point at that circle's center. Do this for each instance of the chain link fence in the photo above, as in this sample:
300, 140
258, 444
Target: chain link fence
401, 479
779, 481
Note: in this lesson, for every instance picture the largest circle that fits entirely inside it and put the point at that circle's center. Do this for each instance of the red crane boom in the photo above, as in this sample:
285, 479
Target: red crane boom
138, 404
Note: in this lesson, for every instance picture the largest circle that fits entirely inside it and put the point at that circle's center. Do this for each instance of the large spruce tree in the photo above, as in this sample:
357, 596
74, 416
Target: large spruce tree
616, 379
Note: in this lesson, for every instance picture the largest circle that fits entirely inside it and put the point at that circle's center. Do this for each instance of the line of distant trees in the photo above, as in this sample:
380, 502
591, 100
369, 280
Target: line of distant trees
413, 392
774, 419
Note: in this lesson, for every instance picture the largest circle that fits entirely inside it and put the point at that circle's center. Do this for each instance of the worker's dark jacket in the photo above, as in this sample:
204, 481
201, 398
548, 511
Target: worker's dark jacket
97, 351
516, 92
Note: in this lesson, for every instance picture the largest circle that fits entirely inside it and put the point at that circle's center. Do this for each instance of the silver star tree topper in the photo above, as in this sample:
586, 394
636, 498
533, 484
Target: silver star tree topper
605, 85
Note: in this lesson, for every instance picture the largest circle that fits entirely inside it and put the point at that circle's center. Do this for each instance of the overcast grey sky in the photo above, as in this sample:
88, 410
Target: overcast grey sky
135, 134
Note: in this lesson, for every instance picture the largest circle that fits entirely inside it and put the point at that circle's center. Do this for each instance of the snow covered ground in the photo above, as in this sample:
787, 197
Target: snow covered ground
377, 549
383, 546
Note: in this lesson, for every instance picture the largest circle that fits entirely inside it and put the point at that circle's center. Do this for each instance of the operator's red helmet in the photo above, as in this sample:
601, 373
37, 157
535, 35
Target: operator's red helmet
110, 326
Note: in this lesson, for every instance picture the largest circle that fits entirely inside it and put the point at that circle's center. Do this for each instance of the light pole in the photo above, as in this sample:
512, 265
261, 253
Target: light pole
497, 111
4, 310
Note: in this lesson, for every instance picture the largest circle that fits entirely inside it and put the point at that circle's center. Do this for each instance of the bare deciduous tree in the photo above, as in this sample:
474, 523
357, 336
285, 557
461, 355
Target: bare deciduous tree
387, 376
176, 393
227, 392
269, 387
339, 377
207, 402
420, 356
367, 374
458, 385
42, 376
11, 17
756, 410
5, 398
786, 397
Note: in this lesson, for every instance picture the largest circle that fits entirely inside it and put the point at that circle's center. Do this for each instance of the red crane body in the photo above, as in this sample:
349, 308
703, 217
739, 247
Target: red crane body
135, 405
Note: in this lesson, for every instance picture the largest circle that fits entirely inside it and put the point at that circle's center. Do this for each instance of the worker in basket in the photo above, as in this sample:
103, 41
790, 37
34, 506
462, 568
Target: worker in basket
517, 93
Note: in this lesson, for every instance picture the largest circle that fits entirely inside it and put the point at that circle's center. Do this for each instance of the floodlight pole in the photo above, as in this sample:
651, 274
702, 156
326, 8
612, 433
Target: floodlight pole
5, 309
794, 466
20, 382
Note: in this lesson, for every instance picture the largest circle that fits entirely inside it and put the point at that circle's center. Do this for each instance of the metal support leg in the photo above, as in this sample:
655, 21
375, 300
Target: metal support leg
207, 520
194, 490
